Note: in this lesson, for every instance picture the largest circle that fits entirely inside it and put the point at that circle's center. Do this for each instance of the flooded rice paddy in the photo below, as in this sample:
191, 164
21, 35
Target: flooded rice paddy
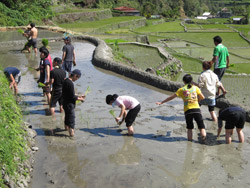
101, 155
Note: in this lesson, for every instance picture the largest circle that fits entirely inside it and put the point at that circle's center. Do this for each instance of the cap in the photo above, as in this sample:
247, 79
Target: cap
66, 38
76, 72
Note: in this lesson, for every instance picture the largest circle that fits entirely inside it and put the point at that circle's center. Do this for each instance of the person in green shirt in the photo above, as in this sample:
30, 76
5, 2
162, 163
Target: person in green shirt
220, 58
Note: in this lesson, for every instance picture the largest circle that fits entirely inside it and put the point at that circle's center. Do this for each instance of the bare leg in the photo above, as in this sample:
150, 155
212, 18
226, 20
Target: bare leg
66, 127
52, 111
240, 135
130, 130
228, 136
71, 132
213, 116
190, 134
48, 97
61, 109
219, 131
203, 134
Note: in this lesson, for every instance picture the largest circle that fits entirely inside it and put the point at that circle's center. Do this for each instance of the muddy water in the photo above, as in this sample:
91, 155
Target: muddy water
101, 156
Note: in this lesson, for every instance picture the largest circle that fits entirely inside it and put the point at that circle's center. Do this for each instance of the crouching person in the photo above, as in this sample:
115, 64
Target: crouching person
234, 117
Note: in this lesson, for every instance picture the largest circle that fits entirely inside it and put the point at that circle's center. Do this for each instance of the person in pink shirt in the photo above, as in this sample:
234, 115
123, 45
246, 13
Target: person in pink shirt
125, 103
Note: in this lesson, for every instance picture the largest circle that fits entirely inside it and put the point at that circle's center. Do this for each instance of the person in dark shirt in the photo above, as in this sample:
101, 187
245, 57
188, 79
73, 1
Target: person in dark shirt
14, 76
69, 100
57, 76
45, 71
234, 117
68, 57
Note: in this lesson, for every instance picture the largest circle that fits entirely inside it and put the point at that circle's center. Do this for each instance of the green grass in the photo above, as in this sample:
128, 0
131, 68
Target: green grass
12, 143
115, 40
163, 27
88, 26
206, 39
142, 57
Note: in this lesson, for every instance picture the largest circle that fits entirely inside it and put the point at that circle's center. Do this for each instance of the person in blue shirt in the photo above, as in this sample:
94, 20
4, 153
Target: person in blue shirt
14, 76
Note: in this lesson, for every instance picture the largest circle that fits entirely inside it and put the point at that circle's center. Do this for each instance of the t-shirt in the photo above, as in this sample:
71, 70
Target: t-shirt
221, 51
68, 92
50, 61
69, 49
43, 64
189, 97
127, 101
58, 75
227, 112
11, 70
208, 81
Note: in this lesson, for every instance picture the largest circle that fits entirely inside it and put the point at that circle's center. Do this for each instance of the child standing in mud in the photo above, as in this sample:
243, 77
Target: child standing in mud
69, 100
191, 95
125, 103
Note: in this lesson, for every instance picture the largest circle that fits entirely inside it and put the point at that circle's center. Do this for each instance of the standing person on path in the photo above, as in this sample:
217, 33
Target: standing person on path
57, 77
208, 82
125, 103
32, 35
69, 100
68, 57
13, 74
234, 117
220, 58
190, 95
45, 72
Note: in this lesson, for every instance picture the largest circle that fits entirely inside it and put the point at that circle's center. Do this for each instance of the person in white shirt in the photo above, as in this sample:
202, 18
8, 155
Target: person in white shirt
125, 103
208, 81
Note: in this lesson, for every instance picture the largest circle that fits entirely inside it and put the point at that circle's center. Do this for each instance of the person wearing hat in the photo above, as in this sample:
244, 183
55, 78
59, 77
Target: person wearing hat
14, 76
69, 100
45, 72
68, 57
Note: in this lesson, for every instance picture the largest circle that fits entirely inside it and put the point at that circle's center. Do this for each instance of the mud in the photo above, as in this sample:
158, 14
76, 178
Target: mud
101, 155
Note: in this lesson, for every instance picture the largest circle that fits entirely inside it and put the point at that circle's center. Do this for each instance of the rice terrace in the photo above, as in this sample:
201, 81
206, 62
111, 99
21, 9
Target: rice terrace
140, 49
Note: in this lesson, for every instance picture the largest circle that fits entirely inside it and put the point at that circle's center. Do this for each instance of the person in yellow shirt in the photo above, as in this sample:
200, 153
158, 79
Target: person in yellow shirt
191, 95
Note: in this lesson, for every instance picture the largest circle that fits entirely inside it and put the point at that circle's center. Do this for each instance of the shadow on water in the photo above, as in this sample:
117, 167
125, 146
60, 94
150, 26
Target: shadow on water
103, 132
170, 118
45, 112
52, 132
32, 94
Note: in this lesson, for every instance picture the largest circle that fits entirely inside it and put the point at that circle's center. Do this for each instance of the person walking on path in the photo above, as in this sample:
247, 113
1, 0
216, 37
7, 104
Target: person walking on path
13, 74
190, 95
220, 58
57, 77
125, 103
68, 57
32, 35
234, 117
45, 72
208, 81
69, 100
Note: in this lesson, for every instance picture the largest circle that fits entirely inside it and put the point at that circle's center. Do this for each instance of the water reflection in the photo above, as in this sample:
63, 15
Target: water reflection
129, 154
195, 162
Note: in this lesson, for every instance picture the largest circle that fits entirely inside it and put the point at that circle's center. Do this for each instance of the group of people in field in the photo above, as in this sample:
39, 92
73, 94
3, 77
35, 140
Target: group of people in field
59, 88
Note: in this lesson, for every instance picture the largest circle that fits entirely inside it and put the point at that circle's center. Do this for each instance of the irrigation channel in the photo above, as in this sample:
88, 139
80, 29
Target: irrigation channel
101, 155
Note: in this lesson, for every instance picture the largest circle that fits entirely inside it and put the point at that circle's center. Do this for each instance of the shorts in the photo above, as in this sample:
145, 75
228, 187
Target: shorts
33, 43
67, 66
219, 72
236, 119
210, 102
130, 118
56, 96
196, 115
69, 110
46, 89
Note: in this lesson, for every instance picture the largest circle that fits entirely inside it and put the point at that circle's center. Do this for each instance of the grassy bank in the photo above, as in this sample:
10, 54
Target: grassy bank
12, 142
